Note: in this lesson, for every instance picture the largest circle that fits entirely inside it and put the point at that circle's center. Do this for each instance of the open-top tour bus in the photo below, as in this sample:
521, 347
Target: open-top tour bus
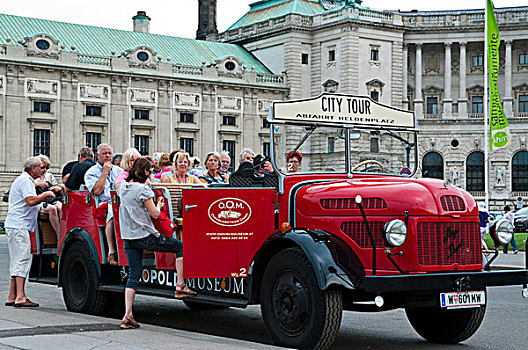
354, 229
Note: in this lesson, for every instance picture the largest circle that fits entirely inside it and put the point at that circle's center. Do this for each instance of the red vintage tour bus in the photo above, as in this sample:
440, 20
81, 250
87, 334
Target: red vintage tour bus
355, 230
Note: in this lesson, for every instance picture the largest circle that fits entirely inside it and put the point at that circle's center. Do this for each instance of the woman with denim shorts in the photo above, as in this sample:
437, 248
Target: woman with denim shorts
135, 216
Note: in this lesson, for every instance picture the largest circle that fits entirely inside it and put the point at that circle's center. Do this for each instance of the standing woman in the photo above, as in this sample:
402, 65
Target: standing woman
127, 161
180, 169
135, 213
212, 163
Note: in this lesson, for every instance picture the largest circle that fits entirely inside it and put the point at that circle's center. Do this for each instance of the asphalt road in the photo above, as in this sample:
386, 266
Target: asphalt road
168, 324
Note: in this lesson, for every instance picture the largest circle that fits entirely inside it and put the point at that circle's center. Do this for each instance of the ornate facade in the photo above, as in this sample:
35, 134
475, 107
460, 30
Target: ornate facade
60, 92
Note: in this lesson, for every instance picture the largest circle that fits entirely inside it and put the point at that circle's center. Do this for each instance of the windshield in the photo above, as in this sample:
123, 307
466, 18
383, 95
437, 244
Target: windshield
322, 149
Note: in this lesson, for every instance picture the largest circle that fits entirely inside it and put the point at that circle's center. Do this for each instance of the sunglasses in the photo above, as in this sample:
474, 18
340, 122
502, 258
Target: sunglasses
44, 167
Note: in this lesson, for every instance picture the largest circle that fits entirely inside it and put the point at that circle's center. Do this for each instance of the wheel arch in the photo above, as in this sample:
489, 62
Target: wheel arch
77, 235
321, 249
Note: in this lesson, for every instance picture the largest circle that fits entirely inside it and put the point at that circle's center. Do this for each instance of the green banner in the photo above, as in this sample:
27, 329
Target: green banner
499, 132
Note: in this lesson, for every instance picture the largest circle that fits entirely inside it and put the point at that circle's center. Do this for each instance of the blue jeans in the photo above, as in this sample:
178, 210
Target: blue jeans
513, 243
134, 251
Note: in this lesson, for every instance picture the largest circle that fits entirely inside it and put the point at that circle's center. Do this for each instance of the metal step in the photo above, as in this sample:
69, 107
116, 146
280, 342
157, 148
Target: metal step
165, 293
45, 280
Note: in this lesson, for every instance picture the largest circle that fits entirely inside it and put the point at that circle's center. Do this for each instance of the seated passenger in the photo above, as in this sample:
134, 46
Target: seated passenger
136, 212
212, 163
294, 161
76, 177
263, 164
127, 162
48, 183
225, 161
165, 166
116, 160
246, 155
100, 179
179, 170
196, 169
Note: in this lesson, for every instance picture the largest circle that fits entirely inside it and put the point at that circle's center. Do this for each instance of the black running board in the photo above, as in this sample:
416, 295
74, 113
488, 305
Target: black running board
165, 293
44, 280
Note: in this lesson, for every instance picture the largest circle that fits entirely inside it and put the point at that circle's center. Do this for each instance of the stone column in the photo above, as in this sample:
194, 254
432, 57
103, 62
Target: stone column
405, 98
448, 101
462, 95
418, 99
508, 98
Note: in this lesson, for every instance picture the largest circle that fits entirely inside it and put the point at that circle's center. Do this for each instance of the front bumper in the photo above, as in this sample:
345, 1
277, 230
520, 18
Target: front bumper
456, 281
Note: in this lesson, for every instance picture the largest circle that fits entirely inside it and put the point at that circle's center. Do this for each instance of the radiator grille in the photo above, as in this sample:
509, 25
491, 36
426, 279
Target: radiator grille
452, 203
441, 243
350, 203
357, 231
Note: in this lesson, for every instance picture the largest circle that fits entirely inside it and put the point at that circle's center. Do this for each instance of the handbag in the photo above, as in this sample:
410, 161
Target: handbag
164, 225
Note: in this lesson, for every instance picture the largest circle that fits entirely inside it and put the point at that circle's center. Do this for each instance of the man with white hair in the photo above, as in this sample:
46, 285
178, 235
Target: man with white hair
21, 218
225, 161
99, 180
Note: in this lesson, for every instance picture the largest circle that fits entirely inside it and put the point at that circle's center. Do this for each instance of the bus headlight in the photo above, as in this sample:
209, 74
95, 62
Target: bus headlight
503, 232
395, 233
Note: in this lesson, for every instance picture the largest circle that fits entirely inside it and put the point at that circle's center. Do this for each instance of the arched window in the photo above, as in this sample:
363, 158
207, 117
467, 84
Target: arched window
475, 172
520, 171
433, 165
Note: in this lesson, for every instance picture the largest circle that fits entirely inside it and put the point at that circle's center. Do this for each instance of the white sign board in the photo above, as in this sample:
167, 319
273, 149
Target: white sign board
334, 109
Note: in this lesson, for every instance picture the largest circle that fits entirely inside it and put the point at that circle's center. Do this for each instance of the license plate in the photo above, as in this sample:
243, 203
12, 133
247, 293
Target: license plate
462, 300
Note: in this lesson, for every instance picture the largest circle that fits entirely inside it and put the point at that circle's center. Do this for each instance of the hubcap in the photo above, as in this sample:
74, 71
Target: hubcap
291, 302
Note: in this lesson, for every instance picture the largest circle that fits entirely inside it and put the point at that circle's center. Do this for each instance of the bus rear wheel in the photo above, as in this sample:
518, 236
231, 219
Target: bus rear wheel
296, 312
80, 281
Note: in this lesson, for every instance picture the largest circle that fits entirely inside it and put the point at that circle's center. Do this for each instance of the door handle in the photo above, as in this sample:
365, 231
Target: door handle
187, 207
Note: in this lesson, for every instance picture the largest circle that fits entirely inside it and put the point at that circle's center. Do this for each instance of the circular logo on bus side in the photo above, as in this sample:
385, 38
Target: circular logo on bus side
229, 212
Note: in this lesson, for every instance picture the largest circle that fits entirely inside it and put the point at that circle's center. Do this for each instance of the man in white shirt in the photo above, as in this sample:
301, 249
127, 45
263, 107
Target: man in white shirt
21, 218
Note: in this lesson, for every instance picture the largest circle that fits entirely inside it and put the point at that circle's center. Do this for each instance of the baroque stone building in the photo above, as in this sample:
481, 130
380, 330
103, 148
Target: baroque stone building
64, 86
428, 62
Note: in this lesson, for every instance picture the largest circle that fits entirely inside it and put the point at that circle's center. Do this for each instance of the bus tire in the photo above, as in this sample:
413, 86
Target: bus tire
443, 326
296, 312
80, 281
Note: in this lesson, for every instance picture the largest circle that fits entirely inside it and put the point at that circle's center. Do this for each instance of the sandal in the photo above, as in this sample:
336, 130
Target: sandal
183, 291
112, 259
129, 323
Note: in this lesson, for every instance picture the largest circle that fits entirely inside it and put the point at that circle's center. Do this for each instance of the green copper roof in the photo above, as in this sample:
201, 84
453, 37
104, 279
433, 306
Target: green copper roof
102, 41
267, 9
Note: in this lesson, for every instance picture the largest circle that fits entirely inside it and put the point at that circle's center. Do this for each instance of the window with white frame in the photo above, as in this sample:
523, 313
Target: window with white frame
187, 144
141, 143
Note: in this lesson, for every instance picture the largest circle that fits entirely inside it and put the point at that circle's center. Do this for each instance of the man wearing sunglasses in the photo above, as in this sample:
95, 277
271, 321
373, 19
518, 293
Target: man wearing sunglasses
22, 218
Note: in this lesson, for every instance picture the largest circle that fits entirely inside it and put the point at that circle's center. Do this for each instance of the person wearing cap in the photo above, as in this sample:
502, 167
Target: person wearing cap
484, 221
294, 160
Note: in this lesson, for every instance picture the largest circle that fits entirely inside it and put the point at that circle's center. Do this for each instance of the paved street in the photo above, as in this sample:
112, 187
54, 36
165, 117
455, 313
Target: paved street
169, 324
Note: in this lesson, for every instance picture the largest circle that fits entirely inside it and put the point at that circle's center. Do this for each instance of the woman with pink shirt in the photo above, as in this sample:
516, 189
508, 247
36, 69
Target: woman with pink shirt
127, 162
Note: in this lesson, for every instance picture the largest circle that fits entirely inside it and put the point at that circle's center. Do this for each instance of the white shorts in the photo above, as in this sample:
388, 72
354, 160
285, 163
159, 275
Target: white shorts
19, 252
483, 232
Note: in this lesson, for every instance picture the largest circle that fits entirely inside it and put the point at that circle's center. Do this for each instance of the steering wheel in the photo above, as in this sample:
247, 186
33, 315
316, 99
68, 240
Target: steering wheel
369, 161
